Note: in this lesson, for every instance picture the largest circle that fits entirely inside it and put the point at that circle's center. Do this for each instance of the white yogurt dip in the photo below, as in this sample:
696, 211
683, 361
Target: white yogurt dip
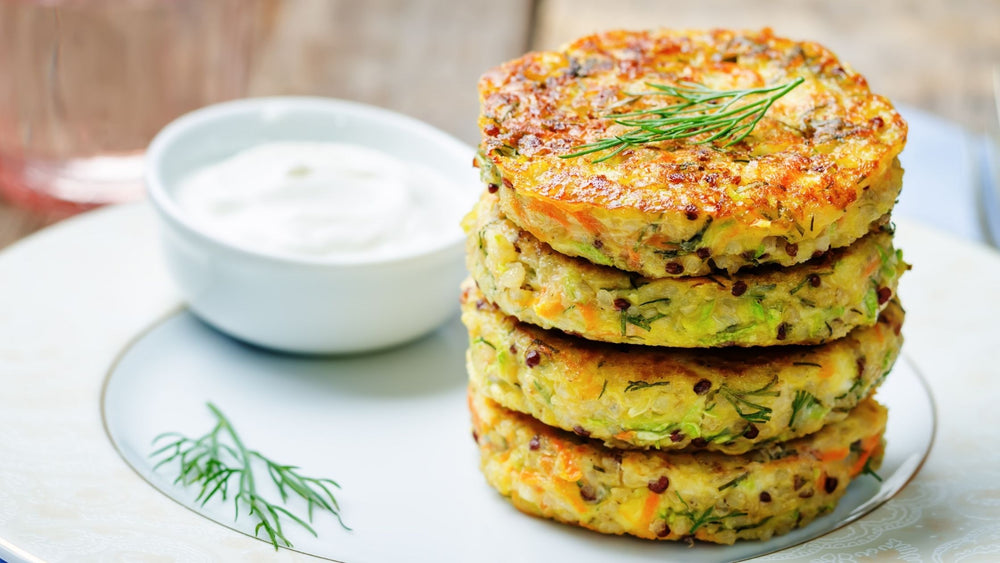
322, 201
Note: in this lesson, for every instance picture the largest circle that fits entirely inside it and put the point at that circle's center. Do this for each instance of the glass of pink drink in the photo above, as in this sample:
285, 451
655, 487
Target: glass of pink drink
85, 84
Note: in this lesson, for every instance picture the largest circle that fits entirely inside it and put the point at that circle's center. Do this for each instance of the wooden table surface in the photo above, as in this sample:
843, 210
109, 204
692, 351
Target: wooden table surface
423, 57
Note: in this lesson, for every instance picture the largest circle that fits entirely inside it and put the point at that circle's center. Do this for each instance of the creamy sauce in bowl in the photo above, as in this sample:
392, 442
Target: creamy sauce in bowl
321, 201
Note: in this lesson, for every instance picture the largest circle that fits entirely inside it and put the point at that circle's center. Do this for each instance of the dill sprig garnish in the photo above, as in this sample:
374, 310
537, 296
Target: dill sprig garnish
481, 340
735, 481
707, 516
635, 385
213, 464
642, 320
754, 412
694, 110
867, 470
802, 401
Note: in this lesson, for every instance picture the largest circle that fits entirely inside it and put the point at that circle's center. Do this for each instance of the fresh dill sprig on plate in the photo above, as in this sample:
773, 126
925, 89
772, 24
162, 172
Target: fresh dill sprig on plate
694, 110
219, 458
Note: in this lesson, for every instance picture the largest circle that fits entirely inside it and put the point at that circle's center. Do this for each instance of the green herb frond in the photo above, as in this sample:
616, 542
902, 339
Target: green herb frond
642, 320
802, 401
735, 481
694, 110
749, 410
213, 465
636, 385
481, 340
855, 385
706, 516
869, 471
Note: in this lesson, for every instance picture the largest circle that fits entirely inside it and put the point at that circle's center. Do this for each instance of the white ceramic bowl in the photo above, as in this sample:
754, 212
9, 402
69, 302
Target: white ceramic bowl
318, 306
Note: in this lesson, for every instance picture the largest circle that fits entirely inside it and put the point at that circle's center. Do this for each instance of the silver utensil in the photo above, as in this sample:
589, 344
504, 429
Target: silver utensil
990, 172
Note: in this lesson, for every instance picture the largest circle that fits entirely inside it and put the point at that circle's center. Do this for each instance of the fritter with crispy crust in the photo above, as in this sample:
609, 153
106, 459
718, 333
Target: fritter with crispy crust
727, 400
809, 303
671, 496
814, 173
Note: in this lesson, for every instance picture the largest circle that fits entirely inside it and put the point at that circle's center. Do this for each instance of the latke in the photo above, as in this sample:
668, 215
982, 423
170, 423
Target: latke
727, 400
810, 303
673, 496
814, 173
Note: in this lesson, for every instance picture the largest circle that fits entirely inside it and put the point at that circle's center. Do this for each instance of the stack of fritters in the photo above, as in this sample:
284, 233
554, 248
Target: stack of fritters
681, 339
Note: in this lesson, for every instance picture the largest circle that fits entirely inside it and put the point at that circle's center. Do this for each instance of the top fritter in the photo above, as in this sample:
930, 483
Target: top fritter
814, 173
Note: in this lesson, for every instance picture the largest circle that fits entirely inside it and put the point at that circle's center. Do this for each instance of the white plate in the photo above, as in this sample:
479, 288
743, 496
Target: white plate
74, 296
393, 429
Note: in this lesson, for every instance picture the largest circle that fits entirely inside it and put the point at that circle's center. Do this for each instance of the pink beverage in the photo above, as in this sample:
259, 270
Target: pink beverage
85, 84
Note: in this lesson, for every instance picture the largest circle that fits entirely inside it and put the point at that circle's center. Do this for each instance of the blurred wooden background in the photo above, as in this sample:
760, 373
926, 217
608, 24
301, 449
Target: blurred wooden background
423, 57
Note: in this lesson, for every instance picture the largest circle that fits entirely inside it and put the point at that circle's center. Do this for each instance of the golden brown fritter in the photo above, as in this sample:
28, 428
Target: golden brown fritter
815, 173
809, 303
671, 496
727, 400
